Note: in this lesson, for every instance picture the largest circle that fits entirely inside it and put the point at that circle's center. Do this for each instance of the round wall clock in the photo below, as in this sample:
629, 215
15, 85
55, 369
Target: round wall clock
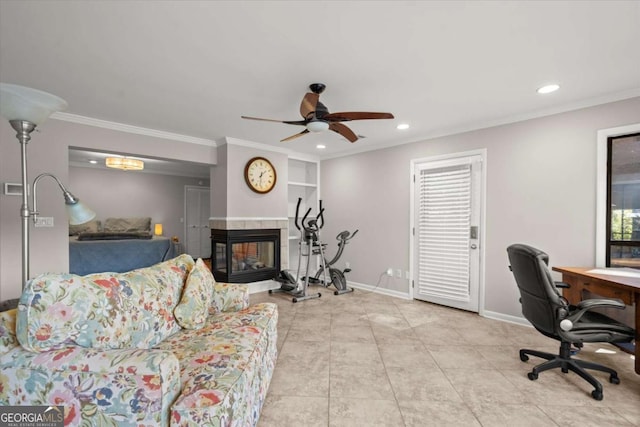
260, 175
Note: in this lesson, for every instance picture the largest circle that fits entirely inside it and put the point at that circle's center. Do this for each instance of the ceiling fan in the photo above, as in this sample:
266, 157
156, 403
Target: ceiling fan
317, 117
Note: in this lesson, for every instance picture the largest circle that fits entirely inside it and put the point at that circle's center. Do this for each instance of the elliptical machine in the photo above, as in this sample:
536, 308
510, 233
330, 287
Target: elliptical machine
337, 276
308, 238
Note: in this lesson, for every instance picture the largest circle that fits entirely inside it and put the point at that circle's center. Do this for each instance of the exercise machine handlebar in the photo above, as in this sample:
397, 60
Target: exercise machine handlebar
346, 235
321, 216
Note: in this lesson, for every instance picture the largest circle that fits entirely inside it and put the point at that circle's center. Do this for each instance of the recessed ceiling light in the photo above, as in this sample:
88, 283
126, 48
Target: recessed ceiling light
403, 126
93, 162
321, 147
548, 89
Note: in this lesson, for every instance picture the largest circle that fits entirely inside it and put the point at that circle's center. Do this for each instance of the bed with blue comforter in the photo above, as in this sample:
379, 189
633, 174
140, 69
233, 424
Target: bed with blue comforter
123, 244
110, 253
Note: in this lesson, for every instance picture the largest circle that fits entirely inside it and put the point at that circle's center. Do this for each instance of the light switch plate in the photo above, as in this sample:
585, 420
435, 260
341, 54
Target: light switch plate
44, 221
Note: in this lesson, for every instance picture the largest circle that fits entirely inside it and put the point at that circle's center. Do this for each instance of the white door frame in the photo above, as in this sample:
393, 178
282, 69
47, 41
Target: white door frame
482, 152
601, 183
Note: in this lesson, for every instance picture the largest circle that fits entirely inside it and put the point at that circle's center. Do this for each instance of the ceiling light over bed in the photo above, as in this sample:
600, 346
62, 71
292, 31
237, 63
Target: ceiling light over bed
124, 163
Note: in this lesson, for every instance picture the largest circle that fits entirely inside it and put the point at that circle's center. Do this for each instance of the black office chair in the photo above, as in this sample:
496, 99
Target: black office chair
551, 314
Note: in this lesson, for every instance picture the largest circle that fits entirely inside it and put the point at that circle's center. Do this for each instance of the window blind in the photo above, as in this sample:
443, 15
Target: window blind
444, 219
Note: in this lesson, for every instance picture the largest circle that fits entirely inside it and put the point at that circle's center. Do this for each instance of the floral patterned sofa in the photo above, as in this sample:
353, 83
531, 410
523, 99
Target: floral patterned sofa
158, 346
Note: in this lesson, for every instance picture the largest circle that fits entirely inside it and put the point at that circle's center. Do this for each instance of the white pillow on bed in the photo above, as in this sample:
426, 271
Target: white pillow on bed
88, 227
127, 225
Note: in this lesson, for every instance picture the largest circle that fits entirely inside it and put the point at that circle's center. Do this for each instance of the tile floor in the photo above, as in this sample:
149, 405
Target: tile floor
364, 359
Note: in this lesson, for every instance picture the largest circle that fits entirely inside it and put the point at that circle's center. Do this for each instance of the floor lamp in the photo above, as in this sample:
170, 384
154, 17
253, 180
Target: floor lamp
26, 108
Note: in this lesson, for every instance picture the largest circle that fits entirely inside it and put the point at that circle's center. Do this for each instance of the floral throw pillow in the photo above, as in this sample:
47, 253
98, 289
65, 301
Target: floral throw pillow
197, 297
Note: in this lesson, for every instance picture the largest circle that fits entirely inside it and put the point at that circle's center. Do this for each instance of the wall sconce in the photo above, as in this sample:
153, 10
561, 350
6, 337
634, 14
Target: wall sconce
157, 230
26, 108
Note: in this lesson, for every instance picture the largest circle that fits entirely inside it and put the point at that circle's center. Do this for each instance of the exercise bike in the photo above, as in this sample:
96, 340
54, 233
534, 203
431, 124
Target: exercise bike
337, 276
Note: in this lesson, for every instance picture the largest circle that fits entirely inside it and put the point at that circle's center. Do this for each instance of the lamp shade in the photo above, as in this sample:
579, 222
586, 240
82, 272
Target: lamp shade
317, 126
23, 103
158, 230
79, 213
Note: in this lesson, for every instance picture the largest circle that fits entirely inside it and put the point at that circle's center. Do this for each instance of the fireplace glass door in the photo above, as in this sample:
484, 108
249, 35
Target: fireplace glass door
244, 256
252, 256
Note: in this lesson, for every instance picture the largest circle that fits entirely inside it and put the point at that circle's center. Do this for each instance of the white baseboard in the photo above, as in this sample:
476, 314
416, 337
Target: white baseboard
265, 285
378, 290
506, 318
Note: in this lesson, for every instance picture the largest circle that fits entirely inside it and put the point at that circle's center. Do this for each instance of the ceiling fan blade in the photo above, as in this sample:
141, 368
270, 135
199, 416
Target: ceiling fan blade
308, 104
264, 120
295, 136
289, 122
355, 115
344, 131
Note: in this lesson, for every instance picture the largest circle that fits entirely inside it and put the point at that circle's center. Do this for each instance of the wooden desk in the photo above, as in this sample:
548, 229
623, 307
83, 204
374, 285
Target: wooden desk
624, 288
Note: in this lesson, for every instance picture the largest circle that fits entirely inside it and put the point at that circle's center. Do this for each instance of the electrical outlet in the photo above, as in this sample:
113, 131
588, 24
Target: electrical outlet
44, 221
390, 272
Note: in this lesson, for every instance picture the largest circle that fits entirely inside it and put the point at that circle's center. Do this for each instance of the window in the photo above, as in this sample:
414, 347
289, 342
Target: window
623, 201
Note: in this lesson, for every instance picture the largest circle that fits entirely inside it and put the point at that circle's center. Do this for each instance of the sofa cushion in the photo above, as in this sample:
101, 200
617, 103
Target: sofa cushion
225, 367
8, 330
102, 310
197, 297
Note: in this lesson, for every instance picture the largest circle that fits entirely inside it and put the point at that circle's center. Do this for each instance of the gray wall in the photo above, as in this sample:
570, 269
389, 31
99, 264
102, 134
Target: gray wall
236, 199
134, 194
541, 181
48, 151
541, 190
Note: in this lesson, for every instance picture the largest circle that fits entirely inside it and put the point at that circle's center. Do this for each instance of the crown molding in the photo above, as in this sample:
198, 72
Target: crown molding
260, 146
441, 133
121, 127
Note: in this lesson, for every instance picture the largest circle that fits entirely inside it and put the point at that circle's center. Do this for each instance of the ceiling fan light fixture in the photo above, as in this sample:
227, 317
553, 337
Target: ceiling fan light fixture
317, 126
124, 163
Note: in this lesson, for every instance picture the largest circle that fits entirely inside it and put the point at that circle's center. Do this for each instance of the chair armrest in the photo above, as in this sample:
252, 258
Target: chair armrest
126, 385
589, 304
562, 285
231, 296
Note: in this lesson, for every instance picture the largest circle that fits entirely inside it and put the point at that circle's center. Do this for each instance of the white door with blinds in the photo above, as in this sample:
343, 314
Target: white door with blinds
446, 229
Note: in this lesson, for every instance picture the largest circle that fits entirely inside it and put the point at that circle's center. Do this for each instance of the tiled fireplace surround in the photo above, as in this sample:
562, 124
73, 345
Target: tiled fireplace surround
258, 224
